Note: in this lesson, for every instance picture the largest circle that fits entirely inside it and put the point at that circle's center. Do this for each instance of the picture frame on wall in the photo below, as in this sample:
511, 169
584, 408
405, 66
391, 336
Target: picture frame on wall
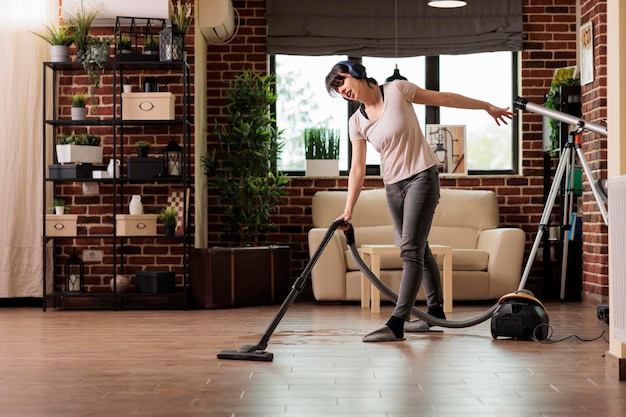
586, 53
448, 143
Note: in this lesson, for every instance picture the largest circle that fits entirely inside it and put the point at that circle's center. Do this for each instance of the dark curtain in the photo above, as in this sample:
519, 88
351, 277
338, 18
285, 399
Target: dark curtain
368, 27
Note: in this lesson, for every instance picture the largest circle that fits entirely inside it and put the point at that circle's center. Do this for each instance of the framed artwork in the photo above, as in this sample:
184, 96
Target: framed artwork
586, 53
448, 143
180, 201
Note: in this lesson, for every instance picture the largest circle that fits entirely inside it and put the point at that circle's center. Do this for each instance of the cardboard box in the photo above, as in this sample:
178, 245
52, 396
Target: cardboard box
145, 168
136, 225
61, 224
155, 282
148, 106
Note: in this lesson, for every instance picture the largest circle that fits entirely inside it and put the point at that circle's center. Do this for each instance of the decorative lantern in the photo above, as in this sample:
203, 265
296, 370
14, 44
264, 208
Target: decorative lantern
173, 158
171, 44
74, 274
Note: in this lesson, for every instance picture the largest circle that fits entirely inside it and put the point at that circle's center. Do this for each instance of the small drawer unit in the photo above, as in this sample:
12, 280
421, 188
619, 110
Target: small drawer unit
61, 224
136, 225
148, 106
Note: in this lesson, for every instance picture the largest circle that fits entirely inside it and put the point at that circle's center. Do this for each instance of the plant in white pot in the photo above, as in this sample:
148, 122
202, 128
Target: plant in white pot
321, 147
78, 148
60, 38
59, 207
79, 101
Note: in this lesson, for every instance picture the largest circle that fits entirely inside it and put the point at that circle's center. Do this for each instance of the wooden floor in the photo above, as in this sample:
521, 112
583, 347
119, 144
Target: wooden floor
163, 364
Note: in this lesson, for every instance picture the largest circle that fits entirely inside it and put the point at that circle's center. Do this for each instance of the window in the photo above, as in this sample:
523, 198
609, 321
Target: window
304, 102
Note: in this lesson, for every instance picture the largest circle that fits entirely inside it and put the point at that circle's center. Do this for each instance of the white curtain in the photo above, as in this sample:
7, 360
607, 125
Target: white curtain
21, 260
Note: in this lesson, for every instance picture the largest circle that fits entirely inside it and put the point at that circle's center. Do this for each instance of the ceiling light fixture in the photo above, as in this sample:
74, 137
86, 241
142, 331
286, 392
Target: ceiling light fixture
396, 72
447, 4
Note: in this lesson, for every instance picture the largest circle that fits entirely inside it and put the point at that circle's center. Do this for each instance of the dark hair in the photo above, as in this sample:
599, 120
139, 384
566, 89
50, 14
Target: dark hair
334, 79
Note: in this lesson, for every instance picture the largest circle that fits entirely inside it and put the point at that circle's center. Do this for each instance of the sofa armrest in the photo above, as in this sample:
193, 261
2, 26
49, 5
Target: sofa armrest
506, 253
328, 276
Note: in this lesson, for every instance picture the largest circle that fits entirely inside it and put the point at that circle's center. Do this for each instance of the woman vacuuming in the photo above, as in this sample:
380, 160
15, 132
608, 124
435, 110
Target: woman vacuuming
386, 118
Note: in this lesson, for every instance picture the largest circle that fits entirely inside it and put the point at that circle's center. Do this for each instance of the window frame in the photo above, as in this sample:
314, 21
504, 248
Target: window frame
432, 82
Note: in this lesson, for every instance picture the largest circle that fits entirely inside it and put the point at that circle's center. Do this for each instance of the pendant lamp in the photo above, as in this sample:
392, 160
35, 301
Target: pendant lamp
396, 72
446, 4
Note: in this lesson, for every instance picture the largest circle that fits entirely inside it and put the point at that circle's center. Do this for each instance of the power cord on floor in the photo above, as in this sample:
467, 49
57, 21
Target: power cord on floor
549, 340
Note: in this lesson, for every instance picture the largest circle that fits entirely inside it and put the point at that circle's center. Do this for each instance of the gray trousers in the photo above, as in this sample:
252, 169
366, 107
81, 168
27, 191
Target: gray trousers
412, 204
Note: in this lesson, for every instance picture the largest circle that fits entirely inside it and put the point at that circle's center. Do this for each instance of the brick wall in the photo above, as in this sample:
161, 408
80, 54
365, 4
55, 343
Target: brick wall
550, 43
94, 211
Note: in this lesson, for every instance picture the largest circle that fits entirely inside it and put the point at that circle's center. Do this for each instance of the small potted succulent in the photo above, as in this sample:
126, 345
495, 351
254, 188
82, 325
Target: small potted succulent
127, 87
143, 148
123, 44
169, 217
151, 45
59, 207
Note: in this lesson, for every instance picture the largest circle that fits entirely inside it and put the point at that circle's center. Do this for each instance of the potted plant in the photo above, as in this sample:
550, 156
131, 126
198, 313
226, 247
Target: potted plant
60, 39
123, 44
127, 87
242, 171
181, 16
143, 148
78, 147
59, 207
79, 101
79, 24
169, 216
321, 147
151, 45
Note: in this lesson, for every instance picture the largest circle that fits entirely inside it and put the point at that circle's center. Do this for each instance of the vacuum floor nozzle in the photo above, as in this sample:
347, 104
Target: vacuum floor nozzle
247, 353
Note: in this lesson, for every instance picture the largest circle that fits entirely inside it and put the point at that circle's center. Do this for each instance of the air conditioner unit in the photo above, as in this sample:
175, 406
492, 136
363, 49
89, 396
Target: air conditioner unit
108, 10
216, 20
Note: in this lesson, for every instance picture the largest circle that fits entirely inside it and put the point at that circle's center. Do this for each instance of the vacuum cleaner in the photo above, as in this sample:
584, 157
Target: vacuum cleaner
517, 315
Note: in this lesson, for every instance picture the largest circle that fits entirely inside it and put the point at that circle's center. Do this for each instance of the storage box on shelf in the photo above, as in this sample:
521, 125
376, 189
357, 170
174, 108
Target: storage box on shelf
145, 168
61, 224
148, 106
73, 171
155, 282
136, 225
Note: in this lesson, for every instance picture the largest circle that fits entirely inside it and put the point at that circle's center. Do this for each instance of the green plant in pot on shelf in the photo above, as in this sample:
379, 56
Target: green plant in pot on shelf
169, 216
151, 45
60, 38
143, 148
79, 23
123, 43
79, 103
78, 147
58, 206
242, 167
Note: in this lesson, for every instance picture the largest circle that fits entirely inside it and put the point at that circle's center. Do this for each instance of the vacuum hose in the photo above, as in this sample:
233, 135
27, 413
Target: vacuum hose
388, 292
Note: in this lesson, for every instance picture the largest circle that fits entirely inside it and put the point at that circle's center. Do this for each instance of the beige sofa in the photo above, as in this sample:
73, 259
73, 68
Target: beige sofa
486, 260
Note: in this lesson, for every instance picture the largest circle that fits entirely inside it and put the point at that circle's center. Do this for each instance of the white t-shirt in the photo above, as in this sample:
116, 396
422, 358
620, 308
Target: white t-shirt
396, 135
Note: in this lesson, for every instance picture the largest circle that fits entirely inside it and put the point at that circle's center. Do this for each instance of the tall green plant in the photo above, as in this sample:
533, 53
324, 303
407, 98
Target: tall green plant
321, 143
242, 167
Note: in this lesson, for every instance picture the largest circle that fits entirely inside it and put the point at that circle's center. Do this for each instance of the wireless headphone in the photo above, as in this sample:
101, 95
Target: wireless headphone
354, 68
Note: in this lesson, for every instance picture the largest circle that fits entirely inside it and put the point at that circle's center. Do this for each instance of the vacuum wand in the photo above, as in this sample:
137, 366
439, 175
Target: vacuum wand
523, 104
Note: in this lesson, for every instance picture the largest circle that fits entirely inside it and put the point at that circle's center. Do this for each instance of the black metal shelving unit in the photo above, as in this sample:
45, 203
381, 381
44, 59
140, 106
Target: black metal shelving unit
51, 124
